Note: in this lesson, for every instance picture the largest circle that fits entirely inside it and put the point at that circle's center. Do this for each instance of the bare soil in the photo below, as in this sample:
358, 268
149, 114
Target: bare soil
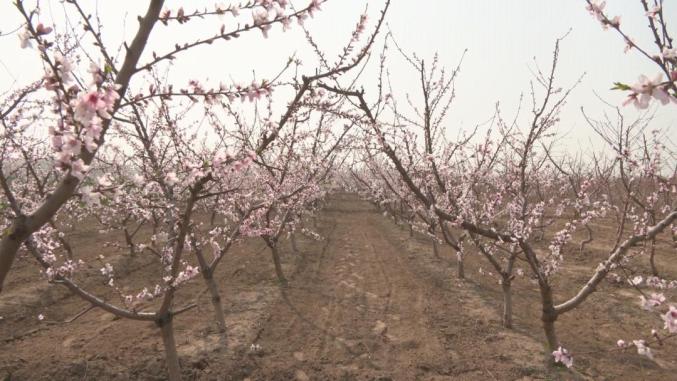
367, 302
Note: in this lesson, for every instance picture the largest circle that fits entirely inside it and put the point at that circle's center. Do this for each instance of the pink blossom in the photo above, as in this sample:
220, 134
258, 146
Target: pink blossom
596, 8
642, 348
563, 356
87, 105
24, 38
90, 143
107, 270
185, 275
171, 179
642, 91
63, 159
301, 18
138, 179
70, 145
669, 53
144, 294
95, 103
670, 319
286, 23
105, 181
653, 12
314, 6
656, 282
79, 169
220, 8
64, 67
42, 30
90, 197
654, 300
260, 16
95, 71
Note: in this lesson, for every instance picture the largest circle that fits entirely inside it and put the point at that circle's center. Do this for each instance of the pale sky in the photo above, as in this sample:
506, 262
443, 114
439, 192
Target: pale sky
502, 38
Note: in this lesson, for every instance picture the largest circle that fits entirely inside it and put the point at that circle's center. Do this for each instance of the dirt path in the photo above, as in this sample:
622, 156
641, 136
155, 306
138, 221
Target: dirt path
364, 309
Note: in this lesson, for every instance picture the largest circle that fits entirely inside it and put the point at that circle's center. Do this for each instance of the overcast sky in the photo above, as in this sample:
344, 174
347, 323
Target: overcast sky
502, 38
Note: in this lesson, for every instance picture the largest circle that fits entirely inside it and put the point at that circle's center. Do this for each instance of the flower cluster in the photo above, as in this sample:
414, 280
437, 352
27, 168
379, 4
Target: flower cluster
645, 89
81, 131
561, 355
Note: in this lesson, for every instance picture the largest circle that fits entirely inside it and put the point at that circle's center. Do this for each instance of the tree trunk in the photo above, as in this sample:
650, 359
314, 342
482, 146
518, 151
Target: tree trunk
293, 243
278, 265
219, 317
587, 240
434, 240
652, 255
506, 285
212, 218
129, 242
208, 275
171, 355
459, 264
549, 316
550, 333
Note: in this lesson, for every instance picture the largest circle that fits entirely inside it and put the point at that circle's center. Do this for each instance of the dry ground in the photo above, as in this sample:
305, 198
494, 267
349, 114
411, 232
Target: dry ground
365, 303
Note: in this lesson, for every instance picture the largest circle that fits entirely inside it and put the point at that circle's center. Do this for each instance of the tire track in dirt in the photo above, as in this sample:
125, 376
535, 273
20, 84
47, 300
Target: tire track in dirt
360, 312
373, 307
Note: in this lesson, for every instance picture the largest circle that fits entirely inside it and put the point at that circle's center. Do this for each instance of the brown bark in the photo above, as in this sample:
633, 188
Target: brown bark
506, 285
171, 355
